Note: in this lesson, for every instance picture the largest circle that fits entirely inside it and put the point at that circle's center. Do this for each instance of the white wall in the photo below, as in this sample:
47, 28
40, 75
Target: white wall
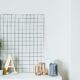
57, 26
75, 39
58, 36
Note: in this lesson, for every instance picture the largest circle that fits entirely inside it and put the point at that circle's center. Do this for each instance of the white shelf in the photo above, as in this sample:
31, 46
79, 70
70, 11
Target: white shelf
28, 76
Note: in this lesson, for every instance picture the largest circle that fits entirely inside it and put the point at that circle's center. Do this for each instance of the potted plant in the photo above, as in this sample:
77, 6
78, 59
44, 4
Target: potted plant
1, 45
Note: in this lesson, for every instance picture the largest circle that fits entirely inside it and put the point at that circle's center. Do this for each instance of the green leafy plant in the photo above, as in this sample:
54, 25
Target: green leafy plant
1, 44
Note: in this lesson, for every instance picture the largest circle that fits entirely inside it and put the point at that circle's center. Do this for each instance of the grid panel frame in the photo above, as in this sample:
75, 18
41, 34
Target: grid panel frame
23, 37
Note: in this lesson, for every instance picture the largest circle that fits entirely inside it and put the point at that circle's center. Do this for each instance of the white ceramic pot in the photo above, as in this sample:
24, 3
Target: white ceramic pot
1, 72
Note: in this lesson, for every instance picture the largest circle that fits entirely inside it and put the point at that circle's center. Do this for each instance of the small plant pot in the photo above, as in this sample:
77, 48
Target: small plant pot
1, 72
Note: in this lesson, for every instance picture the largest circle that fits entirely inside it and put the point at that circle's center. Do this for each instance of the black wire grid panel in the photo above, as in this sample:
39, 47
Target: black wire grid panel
23, 37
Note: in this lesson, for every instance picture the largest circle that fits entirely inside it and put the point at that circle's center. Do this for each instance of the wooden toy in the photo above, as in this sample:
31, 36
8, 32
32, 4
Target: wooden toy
37, 70
45, 72
41, 69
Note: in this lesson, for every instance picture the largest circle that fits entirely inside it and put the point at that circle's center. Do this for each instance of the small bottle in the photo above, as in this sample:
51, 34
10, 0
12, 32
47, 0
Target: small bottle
53, 70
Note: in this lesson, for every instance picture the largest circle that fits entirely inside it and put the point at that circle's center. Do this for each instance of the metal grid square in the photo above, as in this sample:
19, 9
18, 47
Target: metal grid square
23, 37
